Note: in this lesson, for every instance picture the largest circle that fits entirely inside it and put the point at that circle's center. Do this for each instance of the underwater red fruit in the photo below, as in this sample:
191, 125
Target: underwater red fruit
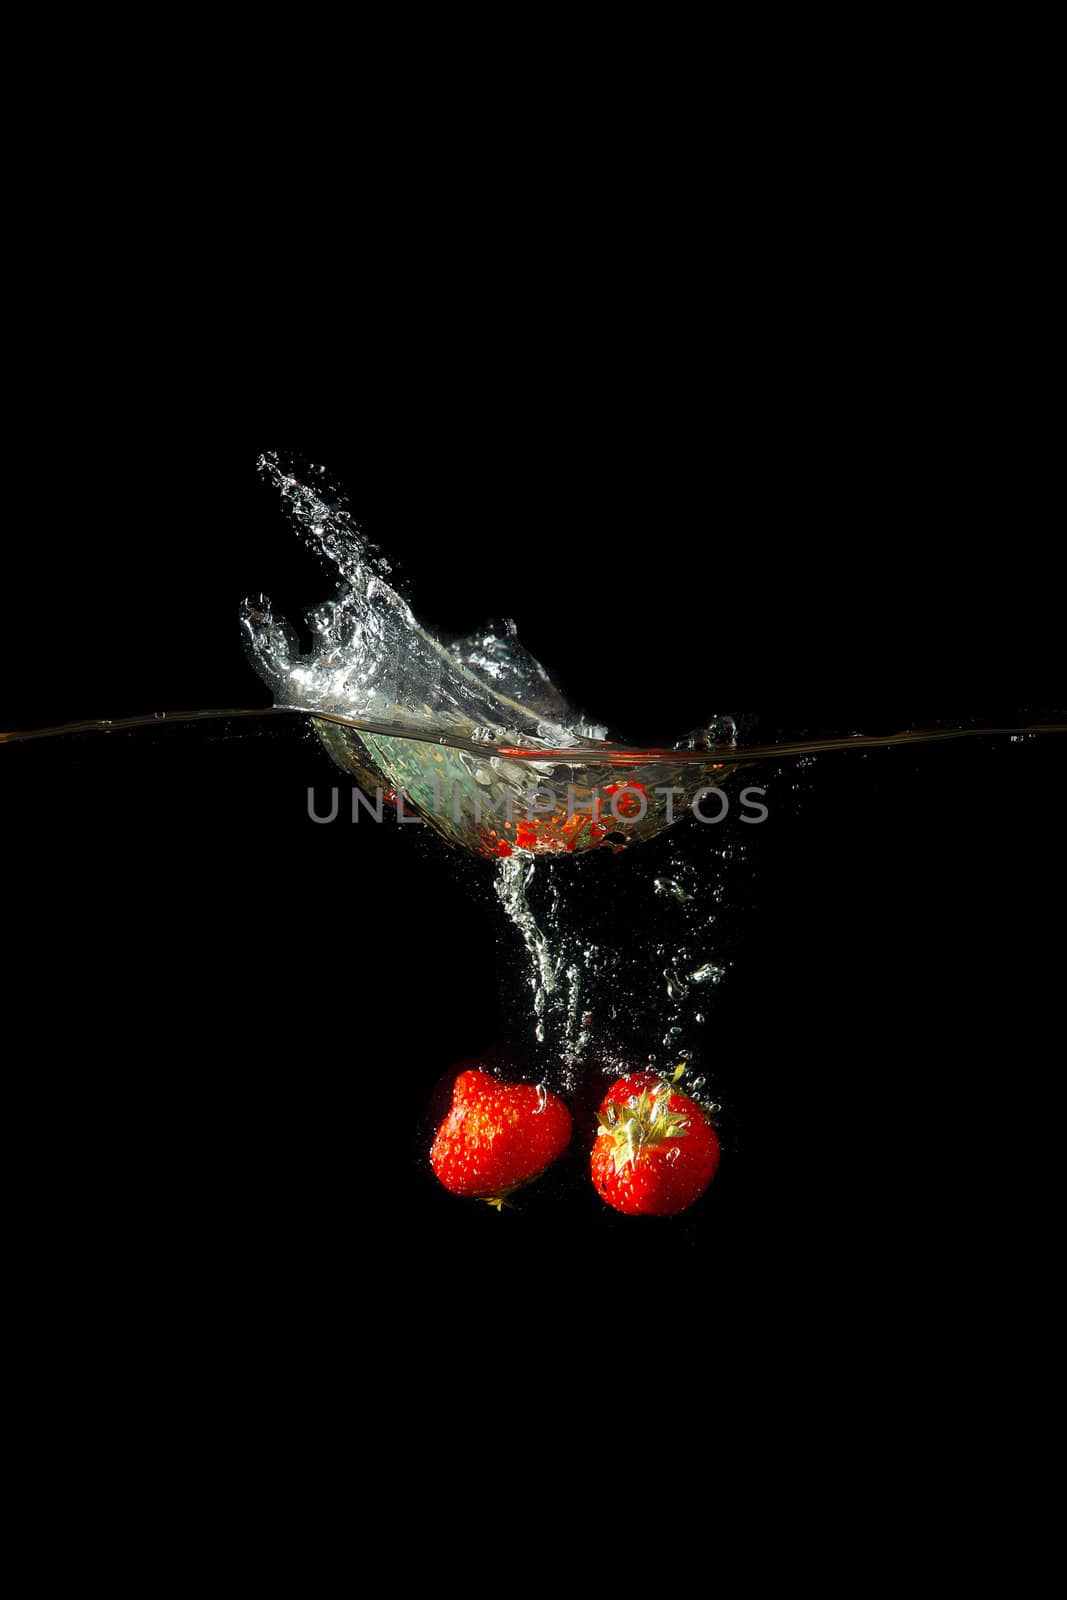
655, 1151
497, 1136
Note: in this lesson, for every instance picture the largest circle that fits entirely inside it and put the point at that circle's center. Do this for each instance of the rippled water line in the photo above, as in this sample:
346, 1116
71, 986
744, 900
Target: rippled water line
592, 754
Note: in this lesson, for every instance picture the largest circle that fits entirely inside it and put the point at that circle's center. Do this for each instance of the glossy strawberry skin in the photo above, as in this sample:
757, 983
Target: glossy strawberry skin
497, 1136
665, 1178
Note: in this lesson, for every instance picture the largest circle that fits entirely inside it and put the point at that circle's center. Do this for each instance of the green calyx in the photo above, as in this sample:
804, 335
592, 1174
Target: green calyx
645, 1121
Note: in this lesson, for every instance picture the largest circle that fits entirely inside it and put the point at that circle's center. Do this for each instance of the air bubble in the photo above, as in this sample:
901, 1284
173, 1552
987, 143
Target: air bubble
671, 886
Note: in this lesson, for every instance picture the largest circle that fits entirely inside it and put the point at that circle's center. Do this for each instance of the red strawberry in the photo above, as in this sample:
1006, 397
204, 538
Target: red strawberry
655, 1151
497, 1136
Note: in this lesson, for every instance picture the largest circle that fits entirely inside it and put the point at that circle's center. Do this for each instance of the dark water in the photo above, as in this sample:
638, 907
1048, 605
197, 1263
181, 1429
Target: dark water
234, 1019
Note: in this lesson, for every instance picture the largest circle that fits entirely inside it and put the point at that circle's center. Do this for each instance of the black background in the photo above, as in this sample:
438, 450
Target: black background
226, 1023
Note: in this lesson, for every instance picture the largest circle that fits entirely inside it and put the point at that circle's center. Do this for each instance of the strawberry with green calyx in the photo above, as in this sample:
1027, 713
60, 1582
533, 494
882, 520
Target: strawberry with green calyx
655, 1151
497, 1136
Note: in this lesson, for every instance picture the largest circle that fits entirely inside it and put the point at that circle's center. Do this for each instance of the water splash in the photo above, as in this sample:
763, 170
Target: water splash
371, 660
467, 728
